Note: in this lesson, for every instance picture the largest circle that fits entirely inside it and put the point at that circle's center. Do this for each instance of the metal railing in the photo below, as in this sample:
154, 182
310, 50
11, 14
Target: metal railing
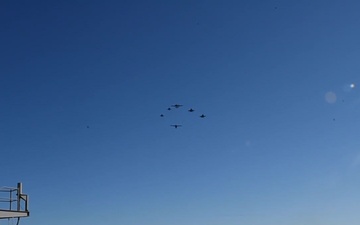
13, 199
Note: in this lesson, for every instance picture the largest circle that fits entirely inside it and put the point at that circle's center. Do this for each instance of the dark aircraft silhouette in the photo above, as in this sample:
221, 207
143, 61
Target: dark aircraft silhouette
176, 125
202, 116
162, 115
176, 106
169, 108
191, 110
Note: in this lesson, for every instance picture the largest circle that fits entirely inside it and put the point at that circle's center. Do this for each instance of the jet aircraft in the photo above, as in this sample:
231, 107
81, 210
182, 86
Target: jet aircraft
202, 116
176, 125
191, 110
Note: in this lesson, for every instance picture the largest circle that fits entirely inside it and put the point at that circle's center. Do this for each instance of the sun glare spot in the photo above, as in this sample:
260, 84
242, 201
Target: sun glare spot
348, 87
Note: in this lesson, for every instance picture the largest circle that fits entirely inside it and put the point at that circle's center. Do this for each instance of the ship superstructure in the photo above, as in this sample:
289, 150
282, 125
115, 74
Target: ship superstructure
13, 203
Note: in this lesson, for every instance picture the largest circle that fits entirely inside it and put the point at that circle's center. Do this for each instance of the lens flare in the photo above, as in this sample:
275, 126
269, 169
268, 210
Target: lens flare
330, 97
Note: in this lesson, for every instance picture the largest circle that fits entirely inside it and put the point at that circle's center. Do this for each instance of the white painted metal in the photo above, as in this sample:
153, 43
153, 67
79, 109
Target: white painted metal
4, 214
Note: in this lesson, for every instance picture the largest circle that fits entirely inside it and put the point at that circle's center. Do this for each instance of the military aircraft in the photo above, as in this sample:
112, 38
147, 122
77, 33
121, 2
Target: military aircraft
202, 116
176, 125
176, 106
162, 115
169, 109
191, 110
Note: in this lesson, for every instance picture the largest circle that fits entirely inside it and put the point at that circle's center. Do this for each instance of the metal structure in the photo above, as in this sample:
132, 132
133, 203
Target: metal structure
13, 203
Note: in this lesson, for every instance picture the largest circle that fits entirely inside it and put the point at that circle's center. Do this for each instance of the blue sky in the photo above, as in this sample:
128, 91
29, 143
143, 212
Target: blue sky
82, 85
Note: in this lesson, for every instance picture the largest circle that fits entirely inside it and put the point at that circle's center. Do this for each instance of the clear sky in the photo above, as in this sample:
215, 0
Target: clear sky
83, 84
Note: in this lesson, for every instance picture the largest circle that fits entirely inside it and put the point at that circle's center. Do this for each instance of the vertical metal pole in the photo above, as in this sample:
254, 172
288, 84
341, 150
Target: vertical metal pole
10, 202
19, 192
26, 203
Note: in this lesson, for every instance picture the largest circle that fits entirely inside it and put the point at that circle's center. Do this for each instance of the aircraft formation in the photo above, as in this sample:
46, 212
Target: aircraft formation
176, 107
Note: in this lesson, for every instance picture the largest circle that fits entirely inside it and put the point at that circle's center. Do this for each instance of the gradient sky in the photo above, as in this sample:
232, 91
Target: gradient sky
82, 85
